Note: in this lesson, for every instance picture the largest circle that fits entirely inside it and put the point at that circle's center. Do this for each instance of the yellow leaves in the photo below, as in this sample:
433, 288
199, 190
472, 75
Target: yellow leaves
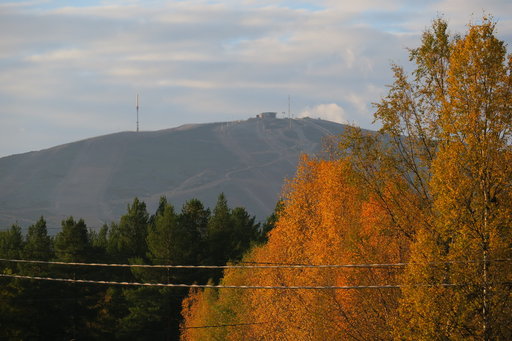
195, 312
477, 76
435, 192
327, 219
471, 189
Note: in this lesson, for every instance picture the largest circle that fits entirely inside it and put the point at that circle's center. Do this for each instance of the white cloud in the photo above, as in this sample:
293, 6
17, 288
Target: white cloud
330, 112
201, 61
59, 55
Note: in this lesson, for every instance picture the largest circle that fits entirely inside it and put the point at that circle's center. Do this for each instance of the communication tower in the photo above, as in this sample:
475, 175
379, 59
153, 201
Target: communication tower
137, 107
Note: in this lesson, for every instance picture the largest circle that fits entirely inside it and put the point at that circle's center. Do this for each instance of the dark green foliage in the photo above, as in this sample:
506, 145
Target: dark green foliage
194, 219
244, 231
62, 311
72, 243
270, 222
99, 244
164, 238
160, 209
229, 232
38, 244
47, 310
11, 244
99, 239
154, 314
128, 239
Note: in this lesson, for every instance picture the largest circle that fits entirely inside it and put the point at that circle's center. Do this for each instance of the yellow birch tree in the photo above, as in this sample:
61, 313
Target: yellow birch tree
458, 289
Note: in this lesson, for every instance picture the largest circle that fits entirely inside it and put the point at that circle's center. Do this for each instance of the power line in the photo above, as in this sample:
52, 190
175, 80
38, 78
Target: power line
290, 266
224, 325
164, 266
210, 286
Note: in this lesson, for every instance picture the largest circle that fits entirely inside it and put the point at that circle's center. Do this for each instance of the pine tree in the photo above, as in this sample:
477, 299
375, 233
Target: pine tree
38, 244
72, 243
127, 239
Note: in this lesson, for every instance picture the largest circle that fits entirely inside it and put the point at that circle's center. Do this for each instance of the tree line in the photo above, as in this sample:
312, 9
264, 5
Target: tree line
31, 309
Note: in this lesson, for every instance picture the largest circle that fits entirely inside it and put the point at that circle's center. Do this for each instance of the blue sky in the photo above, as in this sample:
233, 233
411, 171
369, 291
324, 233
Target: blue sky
71, 69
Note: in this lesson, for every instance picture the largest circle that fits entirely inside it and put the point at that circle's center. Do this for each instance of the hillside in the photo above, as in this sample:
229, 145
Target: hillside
96, 178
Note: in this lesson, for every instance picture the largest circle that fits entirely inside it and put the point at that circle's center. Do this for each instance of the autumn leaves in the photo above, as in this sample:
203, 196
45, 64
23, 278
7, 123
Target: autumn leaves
320, 224
432, 189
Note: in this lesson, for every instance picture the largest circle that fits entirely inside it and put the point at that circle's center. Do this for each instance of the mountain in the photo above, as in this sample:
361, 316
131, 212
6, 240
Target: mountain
97, 178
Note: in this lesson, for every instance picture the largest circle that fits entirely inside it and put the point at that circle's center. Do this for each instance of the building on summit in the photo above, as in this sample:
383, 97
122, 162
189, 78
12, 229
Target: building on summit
267, 115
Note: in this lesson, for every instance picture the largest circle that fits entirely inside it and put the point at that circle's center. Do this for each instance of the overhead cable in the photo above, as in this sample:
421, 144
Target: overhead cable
166, 266
211, 286
288, 266
224, 325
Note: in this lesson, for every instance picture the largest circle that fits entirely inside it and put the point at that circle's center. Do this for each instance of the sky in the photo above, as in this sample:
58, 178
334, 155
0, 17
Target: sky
71, 70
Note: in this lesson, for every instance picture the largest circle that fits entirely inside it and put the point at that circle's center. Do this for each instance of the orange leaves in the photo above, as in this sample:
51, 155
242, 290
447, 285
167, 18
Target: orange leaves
470, 186
195, 310
434, 191
317, 207
327, 219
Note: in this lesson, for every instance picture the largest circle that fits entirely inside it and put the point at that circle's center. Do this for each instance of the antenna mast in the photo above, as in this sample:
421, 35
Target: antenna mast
289, 106
289, 114
137, 107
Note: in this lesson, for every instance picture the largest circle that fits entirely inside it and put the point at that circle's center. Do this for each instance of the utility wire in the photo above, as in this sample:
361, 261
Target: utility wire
211, 286
291, 266
163, 266
301, 287
224, 325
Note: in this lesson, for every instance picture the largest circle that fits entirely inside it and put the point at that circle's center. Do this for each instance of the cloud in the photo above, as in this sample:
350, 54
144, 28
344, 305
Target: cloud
330, 112
59, 55
203, 61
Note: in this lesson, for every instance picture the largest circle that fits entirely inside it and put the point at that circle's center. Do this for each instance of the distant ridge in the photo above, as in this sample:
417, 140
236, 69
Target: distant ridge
96, 178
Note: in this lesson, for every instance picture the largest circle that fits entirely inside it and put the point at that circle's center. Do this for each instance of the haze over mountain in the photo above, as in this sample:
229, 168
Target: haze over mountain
97, 178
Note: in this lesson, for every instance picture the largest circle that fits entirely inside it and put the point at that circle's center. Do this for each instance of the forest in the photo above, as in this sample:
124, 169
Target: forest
50, 310
400, 234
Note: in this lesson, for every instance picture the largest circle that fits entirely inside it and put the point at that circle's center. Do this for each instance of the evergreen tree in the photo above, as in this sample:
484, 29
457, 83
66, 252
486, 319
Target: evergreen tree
128, 239
72, 243
172, 239
126, 243
244, 232
99, 244
38, 244
163, 238
270, 222
11, 245
218, 232
194, 218
39, 306
229, 234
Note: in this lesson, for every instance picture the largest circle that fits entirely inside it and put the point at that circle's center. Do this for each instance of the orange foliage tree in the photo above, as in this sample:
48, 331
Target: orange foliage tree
328, 218
432, 188
472, 195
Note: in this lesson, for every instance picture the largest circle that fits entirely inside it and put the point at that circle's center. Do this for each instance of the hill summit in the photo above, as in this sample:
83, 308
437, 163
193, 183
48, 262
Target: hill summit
95, 179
